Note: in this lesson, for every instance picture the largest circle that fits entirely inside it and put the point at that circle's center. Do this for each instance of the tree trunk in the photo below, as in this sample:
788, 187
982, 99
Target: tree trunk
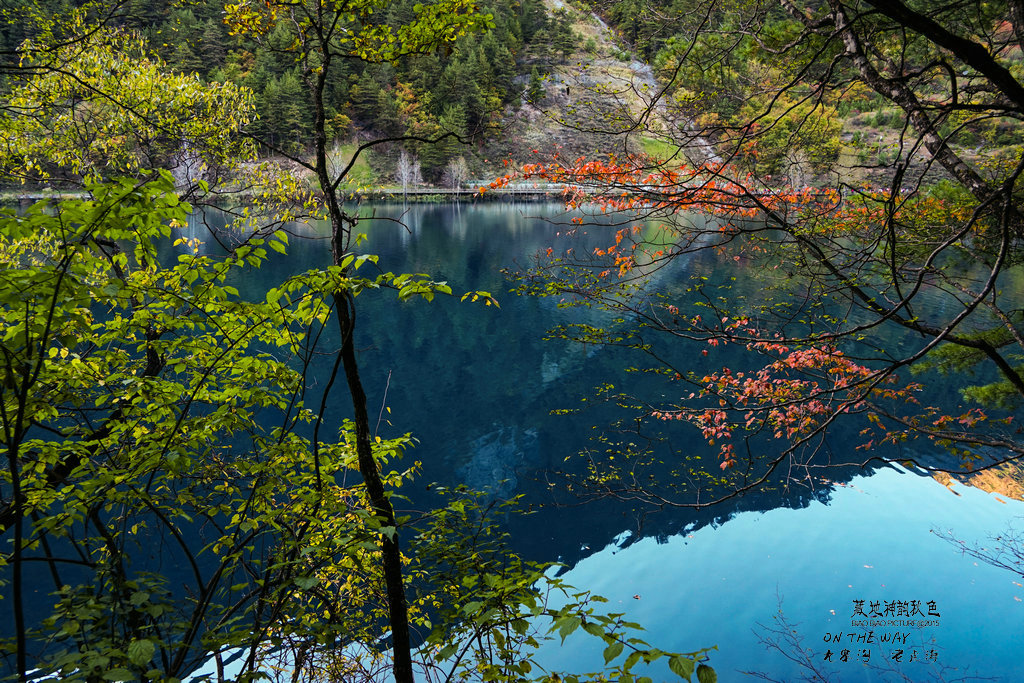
341, 225
398, 609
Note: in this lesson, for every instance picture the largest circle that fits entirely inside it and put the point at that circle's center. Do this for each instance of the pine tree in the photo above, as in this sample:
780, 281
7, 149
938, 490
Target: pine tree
535, 91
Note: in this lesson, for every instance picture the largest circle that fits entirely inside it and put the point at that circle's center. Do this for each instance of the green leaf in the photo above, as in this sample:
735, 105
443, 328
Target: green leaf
472, 608
612, 651
705, 674
306, 582
446, 652
140, 652
681, 666
566, 625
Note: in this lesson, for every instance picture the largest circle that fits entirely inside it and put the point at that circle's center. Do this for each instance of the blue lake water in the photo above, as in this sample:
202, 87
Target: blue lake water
477, 386
726, 584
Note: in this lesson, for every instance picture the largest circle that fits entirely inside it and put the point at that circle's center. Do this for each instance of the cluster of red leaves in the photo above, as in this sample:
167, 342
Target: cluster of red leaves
631, 183
792, 395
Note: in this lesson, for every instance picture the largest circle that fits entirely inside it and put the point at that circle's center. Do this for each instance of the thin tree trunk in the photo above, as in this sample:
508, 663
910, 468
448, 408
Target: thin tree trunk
341, 225
398, 609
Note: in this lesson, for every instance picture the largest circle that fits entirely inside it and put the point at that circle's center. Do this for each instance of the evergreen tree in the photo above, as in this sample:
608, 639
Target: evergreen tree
533, 18
365, 95
535, 91
186, 60
212, 45
387, 120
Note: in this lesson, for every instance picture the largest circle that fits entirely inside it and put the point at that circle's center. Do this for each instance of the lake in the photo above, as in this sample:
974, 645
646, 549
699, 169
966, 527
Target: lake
846, 576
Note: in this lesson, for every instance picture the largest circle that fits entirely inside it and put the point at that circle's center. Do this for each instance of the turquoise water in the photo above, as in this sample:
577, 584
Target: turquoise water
477, 386
725, 585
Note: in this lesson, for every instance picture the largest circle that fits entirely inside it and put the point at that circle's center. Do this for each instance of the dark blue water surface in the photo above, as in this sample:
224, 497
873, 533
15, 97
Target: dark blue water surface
483, 392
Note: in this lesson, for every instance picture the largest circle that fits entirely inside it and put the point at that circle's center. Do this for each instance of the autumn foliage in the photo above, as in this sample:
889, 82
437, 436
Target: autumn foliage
799, 384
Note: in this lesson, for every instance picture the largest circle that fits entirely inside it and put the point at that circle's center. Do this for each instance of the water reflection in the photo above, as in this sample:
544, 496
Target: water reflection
731, 585
477, 387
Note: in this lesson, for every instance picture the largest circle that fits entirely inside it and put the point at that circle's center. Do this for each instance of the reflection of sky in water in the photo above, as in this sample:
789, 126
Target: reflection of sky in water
872, 542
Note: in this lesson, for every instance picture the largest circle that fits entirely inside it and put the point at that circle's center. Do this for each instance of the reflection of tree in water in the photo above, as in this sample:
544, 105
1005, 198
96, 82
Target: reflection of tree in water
1005, 550
471, 381
497, 458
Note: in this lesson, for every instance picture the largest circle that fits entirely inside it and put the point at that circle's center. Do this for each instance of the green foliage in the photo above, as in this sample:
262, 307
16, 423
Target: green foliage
792, 130
138, 398
144, 402
112, 109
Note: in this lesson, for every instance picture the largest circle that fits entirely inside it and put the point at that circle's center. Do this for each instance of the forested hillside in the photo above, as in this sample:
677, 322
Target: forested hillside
748, 81
496, 93
467, 91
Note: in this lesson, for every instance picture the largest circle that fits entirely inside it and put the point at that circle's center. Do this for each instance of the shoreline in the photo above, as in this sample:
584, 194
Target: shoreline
423, 195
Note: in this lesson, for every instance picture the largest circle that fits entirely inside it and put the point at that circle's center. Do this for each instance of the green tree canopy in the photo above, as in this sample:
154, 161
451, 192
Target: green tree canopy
103, 105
